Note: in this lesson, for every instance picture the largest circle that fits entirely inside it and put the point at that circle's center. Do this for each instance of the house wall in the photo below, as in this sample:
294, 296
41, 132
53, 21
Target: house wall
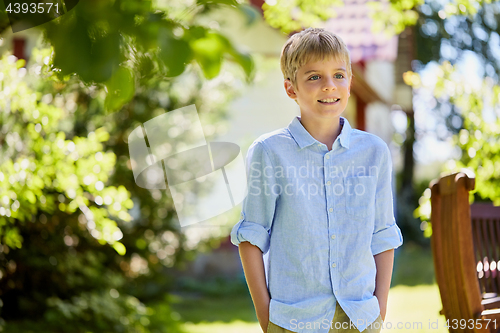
31, 37
380, 76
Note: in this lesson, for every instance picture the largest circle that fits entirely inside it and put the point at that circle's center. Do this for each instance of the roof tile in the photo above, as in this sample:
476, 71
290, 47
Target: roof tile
353, 25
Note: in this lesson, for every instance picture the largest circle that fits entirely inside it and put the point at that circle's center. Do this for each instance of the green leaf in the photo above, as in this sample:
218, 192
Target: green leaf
12, 238
121, 89
20, 63
208, 53
30, 196
120, 248
175, 53
218, 2
244, 60
93, 59
101, 134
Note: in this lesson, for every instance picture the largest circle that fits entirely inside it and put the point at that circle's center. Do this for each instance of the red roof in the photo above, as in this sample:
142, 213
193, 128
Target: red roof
353, 25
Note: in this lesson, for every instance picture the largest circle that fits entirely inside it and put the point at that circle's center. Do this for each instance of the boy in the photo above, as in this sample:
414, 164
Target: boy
319, 205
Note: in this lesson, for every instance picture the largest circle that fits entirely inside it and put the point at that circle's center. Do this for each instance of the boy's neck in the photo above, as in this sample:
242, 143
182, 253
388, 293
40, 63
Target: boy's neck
324, 131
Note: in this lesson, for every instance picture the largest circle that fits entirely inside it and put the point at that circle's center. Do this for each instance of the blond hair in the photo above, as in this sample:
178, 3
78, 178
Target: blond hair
312, 44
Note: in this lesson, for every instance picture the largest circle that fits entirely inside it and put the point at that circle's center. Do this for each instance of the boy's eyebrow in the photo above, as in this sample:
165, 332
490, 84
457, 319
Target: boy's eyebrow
315, 70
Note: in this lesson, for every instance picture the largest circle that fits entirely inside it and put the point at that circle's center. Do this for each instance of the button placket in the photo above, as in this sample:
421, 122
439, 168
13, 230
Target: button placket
331, 223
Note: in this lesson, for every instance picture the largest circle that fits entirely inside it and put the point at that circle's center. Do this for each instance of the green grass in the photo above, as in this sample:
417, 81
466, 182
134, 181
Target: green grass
237, 326
417, 306
198, 309
413, 266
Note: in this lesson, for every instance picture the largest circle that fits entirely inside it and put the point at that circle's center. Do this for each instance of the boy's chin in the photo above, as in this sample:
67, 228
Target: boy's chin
322, 114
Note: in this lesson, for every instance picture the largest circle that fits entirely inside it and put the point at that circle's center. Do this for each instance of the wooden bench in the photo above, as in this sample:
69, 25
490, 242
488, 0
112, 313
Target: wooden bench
466, 249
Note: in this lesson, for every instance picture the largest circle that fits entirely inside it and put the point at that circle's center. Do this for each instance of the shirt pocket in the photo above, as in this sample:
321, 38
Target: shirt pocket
360, 196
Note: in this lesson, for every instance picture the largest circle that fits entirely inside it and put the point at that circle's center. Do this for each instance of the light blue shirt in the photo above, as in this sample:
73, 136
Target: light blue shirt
320, 216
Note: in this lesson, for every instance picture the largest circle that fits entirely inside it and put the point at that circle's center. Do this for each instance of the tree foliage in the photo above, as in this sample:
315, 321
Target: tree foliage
59, 261
58, 216
478, 142
107, 41
80, 243
441, 37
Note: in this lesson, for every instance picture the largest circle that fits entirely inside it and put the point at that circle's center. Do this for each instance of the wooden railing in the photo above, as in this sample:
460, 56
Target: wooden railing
466, 249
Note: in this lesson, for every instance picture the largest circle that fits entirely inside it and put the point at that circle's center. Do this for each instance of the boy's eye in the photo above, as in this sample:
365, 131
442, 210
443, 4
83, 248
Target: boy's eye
339, 76
314, 77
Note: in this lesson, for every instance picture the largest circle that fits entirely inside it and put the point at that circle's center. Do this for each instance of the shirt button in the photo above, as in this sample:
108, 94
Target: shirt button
330, 210
327, 157
333, 236
328, 183
334, 265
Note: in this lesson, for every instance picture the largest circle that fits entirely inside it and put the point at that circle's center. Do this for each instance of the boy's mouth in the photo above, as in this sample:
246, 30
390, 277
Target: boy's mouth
329, 101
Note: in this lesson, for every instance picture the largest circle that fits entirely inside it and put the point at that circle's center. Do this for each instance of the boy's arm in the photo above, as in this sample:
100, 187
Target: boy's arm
252, 233
253, 266
386, 234
384, 262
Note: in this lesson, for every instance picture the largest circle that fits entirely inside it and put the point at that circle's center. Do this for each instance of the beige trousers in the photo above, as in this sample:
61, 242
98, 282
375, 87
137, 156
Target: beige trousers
340, 317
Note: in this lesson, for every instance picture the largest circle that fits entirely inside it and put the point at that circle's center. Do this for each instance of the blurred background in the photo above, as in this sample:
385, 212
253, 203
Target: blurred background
84, 249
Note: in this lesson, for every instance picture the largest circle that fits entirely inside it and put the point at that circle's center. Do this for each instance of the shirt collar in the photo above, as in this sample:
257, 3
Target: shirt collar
304, 139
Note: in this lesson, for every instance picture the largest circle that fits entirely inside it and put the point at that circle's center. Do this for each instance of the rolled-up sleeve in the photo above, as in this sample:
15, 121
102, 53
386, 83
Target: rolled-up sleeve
386, 233
259, 205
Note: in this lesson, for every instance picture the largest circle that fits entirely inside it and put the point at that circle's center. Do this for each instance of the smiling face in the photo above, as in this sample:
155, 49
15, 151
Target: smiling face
322, 89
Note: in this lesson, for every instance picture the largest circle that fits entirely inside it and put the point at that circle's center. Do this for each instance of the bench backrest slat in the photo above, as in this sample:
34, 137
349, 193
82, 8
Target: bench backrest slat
479, 253
485, 220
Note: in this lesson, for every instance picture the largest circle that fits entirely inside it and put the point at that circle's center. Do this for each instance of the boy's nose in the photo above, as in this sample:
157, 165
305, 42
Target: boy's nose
329, 85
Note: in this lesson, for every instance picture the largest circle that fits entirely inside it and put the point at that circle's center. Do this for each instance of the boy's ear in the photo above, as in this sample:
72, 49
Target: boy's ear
290, 90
